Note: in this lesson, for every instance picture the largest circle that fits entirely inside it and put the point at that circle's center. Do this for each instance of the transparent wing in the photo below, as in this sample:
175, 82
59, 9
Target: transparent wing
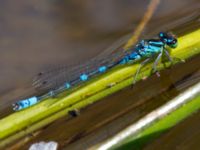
115, 47
53, 79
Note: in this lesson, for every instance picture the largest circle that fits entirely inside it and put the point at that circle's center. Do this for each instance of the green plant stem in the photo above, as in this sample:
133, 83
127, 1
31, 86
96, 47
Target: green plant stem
51, 109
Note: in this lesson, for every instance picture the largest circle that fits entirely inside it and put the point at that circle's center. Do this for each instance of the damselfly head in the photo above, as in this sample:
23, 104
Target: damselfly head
169, 39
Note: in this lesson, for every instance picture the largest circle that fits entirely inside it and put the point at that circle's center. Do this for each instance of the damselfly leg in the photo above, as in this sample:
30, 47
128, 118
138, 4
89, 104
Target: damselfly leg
154, 67
172, 59
139, 68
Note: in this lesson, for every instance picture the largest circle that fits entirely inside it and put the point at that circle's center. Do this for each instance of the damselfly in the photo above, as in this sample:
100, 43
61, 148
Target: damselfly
65, 78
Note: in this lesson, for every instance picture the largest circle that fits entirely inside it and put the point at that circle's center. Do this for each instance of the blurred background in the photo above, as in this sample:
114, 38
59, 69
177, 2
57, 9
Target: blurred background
40, 35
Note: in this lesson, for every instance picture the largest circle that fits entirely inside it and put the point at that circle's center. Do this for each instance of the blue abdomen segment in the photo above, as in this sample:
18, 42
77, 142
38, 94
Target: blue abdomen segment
124, 60
134, 56
84, 77
25, 103
102, 69
67, 85
130, 57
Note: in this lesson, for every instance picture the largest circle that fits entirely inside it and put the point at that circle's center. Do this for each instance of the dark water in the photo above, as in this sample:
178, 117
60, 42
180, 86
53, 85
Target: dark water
39, 35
